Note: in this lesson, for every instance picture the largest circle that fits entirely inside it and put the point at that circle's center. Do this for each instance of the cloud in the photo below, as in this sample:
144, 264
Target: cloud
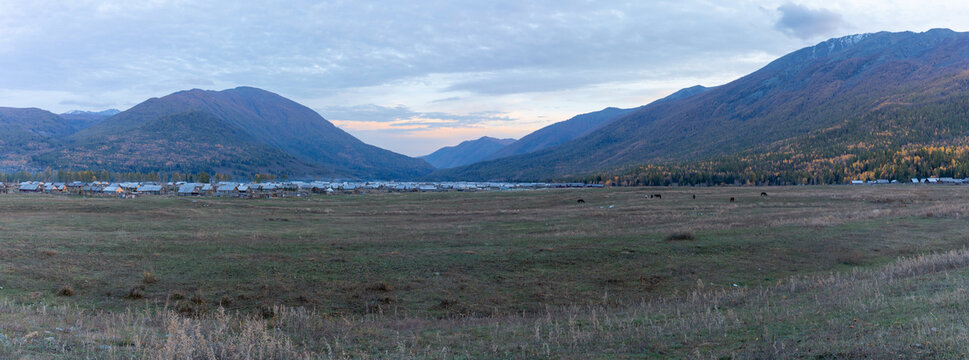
807, 23
401, 116
309, 48
444, 100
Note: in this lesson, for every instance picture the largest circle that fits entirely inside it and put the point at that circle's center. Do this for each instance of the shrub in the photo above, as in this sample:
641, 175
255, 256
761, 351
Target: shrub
198, 299
681, 236
380, 286
135, 293
66, 290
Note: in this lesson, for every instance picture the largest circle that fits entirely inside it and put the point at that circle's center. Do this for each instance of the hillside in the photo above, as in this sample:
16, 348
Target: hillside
561, 132
896, 90
467, 152
267, 120
160, 145
27, 131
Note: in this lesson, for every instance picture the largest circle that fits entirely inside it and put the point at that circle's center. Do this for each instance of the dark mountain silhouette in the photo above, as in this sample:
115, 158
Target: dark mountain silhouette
892, 89
250, 118
467, 152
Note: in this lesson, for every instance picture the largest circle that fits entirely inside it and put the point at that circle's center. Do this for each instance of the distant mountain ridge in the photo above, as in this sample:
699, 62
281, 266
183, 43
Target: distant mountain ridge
832, 92
467, 152
79, 120
239, 131
105, 113
561, 132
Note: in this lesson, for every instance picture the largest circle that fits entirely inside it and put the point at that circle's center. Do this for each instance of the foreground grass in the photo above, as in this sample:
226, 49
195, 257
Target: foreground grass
911, 308
524, 274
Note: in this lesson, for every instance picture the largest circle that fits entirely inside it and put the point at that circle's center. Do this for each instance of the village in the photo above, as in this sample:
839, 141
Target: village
929, 180
302, 188
263, 190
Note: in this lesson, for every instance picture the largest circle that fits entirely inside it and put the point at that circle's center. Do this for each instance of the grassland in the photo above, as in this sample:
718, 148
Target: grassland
820, 272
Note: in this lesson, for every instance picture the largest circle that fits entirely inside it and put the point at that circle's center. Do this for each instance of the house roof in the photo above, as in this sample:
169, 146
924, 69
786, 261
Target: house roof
227, 187
152, 188
187, 188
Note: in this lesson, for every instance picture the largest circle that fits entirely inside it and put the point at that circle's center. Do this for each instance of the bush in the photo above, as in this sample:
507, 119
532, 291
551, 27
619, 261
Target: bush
380, 287
66, 291
681, 236
137, 292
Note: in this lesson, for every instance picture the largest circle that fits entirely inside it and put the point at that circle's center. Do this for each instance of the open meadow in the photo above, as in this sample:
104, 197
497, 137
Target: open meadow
813, 272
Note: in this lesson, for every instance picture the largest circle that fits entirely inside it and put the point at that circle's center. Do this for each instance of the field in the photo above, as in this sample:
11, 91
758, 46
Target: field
814, 272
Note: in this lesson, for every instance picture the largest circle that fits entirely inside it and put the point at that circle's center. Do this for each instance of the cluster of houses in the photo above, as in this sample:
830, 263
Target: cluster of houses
930, 180
269, 189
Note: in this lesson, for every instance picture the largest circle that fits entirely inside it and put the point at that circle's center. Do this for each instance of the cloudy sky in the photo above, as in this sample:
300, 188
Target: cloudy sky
412, 76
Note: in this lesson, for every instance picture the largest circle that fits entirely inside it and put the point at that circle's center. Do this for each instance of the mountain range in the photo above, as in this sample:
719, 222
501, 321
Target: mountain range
467, 152
239, 131
861, 106
79, 120
842, 100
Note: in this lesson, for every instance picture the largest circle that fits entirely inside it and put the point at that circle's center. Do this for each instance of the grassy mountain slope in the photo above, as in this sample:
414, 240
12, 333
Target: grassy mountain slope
466, 152
830, 88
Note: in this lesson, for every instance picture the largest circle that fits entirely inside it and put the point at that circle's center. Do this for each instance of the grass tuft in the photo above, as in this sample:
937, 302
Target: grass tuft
148, 278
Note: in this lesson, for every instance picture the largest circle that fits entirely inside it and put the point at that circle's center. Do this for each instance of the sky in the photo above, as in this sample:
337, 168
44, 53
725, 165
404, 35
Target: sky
414, 76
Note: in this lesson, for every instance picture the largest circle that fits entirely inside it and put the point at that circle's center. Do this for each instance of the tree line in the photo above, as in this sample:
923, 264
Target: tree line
798, 168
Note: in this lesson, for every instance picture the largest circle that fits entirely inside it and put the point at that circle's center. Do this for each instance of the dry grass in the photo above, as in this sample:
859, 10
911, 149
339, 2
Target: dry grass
147, 278
504, 275
909, 309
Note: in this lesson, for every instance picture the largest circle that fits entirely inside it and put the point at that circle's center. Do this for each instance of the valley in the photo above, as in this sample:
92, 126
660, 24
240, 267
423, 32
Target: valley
485, 270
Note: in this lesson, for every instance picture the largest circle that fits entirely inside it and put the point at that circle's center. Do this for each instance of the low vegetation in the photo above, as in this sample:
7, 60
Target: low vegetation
820, 272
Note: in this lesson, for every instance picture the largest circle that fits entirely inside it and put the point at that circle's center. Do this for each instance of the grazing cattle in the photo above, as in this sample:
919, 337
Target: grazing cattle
658, 196
731, 199
694, 196
763, 194
581, 201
